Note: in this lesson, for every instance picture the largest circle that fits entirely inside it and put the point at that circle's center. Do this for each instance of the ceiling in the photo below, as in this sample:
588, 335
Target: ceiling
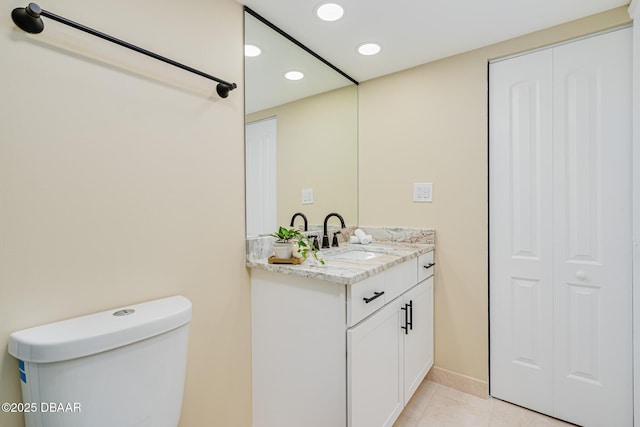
414, 32
265, 85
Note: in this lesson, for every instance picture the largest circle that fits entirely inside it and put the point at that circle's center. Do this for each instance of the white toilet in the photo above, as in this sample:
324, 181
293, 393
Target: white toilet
123, 367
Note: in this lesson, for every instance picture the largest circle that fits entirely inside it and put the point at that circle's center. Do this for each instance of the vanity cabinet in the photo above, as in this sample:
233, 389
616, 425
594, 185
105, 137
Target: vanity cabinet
388, 356
332, 355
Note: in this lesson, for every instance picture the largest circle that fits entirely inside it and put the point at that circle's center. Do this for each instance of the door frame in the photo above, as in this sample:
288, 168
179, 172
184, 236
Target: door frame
634, 13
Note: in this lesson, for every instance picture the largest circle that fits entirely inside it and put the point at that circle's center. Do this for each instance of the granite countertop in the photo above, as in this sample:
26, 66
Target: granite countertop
348, 271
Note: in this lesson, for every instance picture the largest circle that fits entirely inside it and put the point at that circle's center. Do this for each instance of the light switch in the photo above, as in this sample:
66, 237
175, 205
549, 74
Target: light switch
307, 196
422, 191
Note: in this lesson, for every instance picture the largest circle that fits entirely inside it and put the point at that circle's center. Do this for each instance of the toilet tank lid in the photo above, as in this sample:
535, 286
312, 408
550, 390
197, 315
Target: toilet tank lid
98, 332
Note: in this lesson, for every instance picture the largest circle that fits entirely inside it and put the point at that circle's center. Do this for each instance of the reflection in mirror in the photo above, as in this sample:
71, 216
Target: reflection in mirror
301, 136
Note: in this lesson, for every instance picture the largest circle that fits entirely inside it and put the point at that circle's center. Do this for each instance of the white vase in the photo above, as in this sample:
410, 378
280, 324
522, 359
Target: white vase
283, 250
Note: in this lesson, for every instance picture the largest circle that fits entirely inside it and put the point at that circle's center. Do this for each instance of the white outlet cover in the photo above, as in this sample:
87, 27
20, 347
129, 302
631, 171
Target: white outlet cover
422, 192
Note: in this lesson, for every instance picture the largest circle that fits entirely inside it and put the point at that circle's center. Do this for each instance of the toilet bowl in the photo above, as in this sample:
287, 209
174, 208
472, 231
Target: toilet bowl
123, 367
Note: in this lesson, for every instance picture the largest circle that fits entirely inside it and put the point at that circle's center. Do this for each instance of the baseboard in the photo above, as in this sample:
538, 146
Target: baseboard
460, 382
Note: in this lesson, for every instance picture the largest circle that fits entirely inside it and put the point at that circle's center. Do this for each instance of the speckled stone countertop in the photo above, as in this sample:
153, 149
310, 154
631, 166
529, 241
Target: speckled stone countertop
348, 271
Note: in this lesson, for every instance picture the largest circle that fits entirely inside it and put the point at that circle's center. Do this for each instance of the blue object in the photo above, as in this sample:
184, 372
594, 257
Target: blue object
23, 375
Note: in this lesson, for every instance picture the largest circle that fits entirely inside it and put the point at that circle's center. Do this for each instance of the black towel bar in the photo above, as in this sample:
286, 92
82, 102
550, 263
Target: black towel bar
28, 19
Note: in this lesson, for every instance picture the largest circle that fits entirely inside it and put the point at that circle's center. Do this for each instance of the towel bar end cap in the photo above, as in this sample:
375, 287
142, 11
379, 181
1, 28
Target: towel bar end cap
28, 18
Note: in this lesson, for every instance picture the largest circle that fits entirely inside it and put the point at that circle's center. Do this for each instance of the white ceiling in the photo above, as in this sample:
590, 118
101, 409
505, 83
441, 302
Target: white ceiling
414, 32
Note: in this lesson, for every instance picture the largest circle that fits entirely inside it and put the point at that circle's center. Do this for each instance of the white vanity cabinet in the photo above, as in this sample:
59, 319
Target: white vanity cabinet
333, 355
388, 356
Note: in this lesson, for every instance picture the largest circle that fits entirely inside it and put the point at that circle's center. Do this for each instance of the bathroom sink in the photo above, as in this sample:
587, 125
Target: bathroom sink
355, 255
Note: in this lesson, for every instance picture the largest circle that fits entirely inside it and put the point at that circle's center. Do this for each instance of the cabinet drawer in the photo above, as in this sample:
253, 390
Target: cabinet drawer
364, 298
425, 266
399, 278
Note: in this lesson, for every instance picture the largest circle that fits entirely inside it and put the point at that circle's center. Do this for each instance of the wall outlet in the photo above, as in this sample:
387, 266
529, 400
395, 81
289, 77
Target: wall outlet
422, 191
307, 196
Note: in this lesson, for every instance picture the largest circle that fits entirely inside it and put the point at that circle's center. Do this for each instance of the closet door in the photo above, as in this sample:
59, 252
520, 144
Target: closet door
560, 230
592, 230
521, 264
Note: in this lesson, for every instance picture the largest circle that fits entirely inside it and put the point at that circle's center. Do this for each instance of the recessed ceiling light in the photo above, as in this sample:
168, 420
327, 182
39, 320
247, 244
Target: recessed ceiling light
251, 50
369, 48
294, 75
329, 12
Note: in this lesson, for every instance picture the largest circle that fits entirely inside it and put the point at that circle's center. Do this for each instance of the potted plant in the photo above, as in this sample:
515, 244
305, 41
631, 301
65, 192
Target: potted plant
291, 242
283, 246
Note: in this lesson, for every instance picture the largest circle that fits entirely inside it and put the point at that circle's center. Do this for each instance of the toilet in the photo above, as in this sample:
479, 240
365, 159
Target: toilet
123, 367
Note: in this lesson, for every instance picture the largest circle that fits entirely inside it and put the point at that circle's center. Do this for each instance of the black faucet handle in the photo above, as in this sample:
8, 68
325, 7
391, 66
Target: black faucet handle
335, 239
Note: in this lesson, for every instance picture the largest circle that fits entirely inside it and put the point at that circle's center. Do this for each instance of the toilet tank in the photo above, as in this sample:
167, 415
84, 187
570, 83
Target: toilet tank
123, 367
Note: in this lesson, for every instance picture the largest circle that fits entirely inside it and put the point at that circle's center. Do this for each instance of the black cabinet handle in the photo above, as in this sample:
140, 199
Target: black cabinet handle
406, 319
375, 295
429, 265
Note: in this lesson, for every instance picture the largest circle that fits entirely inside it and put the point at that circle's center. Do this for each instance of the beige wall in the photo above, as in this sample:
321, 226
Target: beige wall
317, 148
429, 124
122, 180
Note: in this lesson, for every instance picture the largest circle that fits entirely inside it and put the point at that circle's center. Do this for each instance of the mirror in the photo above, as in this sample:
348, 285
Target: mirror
301, 135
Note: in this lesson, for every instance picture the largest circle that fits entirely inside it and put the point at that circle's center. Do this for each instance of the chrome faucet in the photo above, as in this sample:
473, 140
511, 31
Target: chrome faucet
293, 218
325, 237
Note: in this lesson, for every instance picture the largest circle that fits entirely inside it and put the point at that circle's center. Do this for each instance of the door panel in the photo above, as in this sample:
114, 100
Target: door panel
592, 203
525, 313
525, 168
521, 271
583, 330
581, 133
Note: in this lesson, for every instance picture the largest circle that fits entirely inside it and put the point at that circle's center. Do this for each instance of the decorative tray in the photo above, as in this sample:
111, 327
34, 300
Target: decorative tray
274, 260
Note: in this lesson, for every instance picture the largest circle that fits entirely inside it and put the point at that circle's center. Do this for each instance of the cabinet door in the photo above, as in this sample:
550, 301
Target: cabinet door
374, 360
418, 337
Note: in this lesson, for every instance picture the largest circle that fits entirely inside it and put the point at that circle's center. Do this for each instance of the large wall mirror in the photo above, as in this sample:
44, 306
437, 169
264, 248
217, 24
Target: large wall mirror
301, 135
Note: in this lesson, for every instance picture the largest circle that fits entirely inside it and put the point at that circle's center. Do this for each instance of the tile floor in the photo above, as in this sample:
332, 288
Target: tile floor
435, 405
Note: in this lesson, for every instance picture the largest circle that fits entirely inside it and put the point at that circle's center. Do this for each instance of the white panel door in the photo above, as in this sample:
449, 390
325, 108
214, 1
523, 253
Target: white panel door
418, 338
592, 230
260, 154
521, 265
560, 230
374, 362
